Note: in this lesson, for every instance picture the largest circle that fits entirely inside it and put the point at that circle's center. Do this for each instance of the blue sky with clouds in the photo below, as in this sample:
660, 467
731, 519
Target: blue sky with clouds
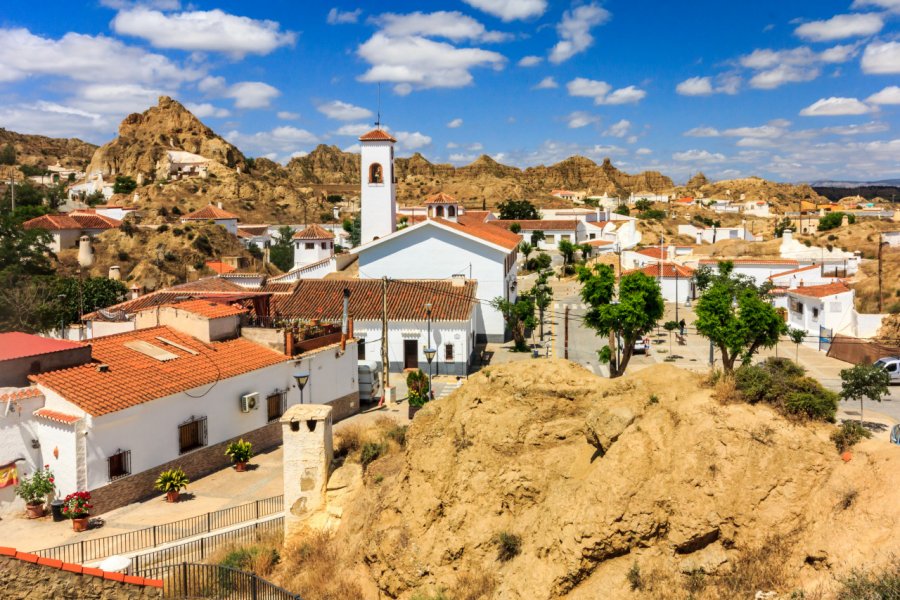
793, 91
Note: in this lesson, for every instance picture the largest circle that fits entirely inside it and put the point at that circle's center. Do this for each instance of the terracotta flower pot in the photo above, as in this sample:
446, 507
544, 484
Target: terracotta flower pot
34, 511
240, 467
172, 496
80, 524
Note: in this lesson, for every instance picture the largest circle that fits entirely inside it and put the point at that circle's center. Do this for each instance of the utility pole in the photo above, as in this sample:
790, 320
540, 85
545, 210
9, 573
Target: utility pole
880, 290
566, 343
385, 367
12, 191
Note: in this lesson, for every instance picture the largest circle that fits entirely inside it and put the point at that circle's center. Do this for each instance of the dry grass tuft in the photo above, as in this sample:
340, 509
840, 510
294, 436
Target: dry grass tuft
725, 390
474, 585
318, 566
765, 567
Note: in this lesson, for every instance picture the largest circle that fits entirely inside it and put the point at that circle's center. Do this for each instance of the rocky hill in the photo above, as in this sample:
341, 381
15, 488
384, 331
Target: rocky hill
39, 150
782, 196
144, 138
539, 480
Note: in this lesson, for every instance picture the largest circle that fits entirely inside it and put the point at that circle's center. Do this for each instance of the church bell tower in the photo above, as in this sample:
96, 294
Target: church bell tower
378, 197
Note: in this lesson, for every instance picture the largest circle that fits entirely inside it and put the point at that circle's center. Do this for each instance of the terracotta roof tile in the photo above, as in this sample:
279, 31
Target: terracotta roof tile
750, 261
96, 221
208, 213
476, 217
376, 135
254, 230
208, 308
820, 291
653, 252
487, 232
52, 223
323, 298
598, 243
16, 344
21, 394
793, 271
314, 232
134, 378
202, 288
53, 415
539, 224
668, 270
220, 267
440, 198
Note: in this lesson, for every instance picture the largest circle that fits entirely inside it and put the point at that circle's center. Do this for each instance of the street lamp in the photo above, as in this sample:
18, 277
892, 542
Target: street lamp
429, 350
301, 379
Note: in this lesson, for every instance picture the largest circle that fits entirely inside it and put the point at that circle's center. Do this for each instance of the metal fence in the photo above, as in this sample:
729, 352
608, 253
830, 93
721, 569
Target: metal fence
200, 549
191, 580
150, 537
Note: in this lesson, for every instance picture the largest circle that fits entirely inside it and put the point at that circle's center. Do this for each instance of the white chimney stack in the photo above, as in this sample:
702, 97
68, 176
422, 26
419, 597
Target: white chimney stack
115, 273
135, 291
85, 254
220, 205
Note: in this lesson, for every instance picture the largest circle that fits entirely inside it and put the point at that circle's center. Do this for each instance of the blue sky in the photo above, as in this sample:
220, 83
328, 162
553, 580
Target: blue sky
792, 91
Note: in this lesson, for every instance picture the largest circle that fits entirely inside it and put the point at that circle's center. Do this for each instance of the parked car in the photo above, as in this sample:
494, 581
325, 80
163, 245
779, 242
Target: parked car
369, 381
895, 434
641, 345
891, 364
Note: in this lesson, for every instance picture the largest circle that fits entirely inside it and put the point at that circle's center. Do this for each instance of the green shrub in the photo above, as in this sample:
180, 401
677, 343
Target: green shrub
782, 383
881, 584
162, 228
634, 577
509, 545
398, 434
848, 435
370, 452
812, 406
122, 255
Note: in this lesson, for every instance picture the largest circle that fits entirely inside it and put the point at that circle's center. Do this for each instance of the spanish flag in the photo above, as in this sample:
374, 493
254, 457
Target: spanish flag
9, 475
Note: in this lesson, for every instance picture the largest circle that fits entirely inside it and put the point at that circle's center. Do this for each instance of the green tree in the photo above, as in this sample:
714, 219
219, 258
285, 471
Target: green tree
526, 249
586, 251
124, 185
670, 326
622, 210
542, 294
734, 316
27, 194
23, 252
640, 306
354, 228
536, 237
643, 204
567, 249
83, 296
834, 219
540, 262
519, 316
864, 382
796, 336
513, 210
515, 228
8, 155
703, 277
782, 226
281, 253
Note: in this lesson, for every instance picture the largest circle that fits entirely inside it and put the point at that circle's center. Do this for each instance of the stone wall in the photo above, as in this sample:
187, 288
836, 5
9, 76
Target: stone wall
196, 464
22, 580
345, 406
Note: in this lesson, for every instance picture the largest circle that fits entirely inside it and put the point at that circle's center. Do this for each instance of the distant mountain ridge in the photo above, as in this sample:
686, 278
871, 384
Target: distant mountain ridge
854, 184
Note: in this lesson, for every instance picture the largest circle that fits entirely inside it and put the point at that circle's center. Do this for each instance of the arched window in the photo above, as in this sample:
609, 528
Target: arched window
439, 211
451, 211
376, 175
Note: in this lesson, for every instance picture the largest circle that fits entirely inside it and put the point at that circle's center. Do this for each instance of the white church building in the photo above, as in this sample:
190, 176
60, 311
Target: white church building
436, 248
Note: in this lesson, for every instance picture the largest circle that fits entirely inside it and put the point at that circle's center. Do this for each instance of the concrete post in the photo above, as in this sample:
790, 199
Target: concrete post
308, 451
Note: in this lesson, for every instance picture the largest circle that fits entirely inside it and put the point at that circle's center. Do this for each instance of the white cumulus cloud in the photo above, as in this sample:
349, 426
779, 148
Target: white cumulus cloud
579, 119
412, 140
343, 111
602, 92
252, 94
286, 115
210, 30
340, 17
834, 106
575, 31
889, 95
510, 10
530, 61
695, 86
547, 83
699, 156
840, 27
206, 109
702, 132
453, 26
457, 122
881, 58
354, 129
619, 129
775, 68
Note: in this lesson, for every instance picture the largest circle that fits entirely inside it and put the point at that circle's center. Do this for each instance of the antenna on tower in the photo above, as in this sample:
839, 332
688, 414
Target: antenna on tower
378, 115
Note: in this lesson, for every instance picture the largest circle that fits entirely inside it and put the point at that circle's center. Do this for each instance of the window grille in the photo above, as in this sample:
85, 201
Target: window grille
192, 434
119, 464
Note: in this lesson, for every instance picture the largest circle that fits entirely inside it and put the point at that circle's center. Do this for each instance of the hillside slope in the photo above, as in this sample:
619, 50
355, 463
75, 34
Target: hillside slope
45, 151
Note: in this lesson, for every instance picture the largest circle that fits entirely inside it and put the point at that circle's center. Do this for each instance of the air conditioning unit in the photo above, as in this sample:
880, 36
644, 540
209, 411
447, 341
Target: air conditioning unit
249, 402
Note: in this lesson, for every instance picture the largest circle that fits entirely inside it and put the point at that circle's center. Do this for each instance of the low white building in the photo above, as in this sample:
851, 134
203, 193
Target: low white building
676, 281
844, 261
254, 235
711, 235
759, 269
66, 230
757, 208
651, 196
215, 214
555, 231
178, 164
802, 276
312, 245
816, 308
614, 228
454, 312
568, 195
95, 182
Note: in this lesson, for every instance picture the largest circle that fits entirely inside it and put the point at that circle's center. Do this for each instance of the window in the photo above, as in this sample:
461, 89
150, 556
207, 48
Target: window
192, 434
815, 314
448, 352
324, 245
310, 246
376, 174
361, 350
119, 464
275, 405
451, 211
439, 211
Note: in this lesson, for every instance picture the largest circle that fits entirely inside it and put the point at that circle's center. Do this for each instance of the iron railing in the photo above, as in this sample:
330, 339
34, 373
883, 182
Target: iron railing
191, 580
200, 549
150, 537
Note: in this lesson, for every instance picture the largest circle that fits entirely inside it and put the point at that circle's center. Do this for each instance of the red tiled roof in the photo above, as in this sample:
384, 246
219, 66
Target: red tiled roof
78, 569
750, 261
219, 267
487, 232
21, 394
208, 213
539, 224
474, 216
323, 298
598, 243
376, 135
314, 232
654, 252
133, 378
792, 271
253, 229
53, 415
208, 309
597, 224
668, 270
16, 344
820, 291
96, 221
440, 198
202, 288
52, 223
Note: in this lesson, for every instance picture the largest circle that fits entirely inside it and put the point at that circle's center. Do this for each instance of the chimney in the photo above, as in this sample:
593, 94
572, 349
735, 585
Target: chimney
85, 254
699, 237
115, 273
670, 253
135, 292
103, 368
220, 205
458, 280
787, 236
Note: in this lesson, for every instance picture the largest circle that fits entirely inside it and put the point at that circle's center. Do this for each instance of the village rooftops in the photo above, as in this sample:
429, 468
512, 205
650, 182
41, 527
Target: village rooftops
406, 299
784, 262
486, 233
16, 345
209, 213
794, 271
73, 221
376, 135
208, 309
665, 270
820, 291
440, 198
538, 224
314, 232
140, 366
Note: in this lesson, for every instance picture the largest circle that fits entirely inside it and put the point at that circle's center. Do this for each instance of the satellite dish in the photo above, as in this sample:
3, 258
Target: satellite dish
115, 563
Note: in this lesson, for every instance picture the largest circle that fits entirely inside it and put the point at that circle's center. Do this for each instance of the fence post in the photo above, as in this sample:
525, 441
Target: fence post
257, 510
208, 522
202, 548
154, 536
81, 551
184, 578
254, 581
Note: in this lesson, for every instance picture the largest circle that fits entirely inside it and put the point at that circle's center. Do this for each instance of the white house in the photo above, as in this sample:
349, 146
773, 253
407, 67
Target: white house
256, 235
759, 269
454, 311
711, 235
179, 163
65, 230
802, 276
676, 281
215, 214
312, 245
568, 195
379, 198
93, 184
845, 262
817, 307
617, 230
651, 196
555, 231
757, 208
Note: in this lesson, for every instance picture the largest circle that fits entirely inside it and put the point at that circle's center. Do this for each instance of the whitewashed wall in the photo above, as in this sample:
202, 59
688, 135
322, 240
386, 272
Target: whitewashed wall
17, 428
459, 334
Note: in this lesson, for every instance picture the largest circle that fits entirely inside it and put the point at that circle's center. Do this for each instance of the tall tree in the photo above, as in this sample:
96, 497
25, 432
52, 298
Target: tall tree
8, 155
281, 253
542, 294
519, 316
82, 296
537, 236
513, 210
526, 249
864, 382
354, 228
733, 314
639, 308
567, 249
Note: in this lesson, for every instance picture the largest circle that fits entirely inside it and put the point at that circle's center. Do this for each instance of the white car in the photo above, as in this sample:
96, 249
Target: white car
891, 364
641, 346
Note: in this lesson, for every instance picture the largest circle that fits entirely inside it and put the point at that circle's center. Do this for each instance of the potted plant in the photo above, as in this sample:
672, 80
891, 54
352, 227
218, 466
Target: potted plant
172, 482
240, 452
34, 491
78, 507
417, 396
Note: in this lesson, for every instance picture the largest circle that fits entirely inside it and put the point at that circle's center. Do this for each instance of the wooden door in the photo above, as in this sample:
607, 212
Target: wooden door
410, 354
